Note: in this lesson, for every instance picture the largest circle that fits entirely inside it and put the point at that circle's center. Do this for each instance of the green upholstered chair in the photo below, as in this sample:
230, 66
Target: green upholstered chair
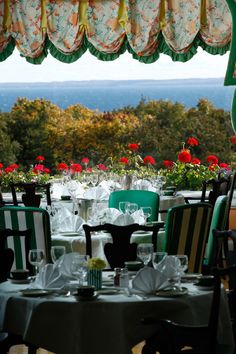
186, 232
140, 197
219, 222
22, 218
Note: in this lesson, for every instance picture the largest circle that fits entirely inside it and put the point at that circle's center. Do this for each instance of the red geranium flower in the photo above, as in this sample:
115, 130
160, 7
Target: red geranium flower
40, 158
195, 161
85, 160
212, 159
101, 166
133, 147
8, 169
224, 165
149, 160
38, 168
168, 163
89, 169
1, 165
192, 141
46, 170
184, 156
14, 166
62, 167
124, 160
75, 167
233, 139
212, 166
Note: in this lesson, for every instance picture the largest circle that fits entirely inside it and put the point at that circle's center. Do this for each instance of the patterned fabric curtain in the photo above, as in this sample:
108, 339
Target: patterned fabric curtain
146, 28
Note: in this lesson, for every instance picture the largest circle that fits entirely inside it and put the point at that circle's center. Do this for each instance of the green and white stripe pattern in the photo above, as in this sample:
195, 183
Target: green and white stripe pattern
22, 218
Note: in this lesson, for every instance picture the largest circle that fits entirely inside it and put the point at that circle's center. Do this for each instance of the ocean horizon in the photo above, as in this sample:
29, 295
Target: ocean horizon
108, 95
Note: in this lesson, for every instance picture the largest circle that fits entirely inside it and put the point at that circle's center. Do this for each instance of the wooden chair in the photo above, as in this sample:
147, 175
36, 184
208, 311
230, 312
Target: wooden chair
6, 234
30, 198
121, 249
140, 197
218, 186
22, 218
186, 232
171, 337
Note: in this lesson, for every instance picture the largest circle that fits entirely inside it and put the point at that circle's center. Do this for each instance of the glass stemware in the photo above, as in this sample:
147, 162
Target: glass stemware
57, 252
130, 208
183, 266
147, 212
157, 257
122, 206
79, 268
36, 258
144, 252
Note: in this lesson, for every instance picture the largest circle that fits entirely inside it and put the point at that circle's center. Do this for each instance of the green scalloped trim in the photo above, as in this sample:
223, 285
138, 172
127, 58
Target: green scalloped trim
106, 56
66, 58
38, 60
149, 59
181, 57
8, 50
214, 50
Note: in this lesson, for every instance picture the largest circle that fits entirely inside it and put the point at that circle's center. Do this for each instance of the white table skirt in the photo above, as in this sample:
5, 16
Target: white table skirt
110, 324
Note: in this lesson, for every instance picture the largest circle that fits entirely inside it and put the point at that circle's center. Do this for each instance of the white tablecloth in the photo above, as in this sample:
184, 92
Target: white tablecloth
110, 324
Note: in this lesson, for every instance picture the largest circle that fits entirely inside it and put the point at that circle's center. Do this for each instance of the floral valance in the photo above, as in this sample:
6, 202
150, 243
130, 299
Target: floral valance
107, 28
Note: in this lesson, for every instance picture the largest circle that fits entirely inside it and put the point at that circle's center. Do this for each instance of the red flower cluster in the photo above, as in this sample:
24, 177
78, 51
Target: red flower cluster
85, 160
124, 160
133, 147
149, 160
41, 168
233, 139
212, 159
192, 141
75, 167
12, 167
184, 156
40, 158
196, 161
168, 163
62, 166
101, 167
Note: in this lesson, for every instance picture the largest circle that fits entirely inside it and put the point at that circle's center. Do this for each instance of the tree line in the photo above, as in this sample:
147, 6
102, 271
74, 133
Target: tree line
39, 127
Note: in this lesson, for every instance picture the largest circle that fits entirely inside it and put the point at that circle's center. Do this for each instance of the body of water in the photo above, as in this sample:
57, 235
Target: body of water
109, 95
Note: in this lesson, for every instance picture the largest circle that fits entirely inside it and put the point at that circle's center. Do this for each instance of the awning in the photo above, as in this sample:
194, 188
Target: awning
107, 28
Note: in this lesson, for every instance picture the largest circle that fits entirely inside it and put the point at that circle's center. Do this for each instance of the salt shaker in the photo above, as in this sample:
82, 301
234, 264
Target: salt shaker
117, 276
124, 278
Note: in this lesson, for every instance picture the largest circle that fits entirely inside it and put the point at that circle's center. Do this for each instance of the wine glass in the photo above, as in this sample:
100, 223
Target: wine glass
183, 266
130, 208
144, 252
79, 267
123, 206
57, 252
147, 212
36, 258
157, 257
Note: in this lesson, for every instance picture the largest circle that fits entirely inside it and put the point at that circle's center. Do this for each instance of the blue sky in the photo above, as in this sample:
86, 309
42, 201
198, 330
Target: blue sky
202, 65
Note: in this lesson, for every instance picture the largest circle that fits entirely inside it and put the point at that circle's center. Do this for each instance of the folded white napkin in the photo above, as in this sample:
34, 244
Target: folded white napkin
97, 193
56, 190
64, 263
49, 277
65, 220
123, 219
75, 189
143, 184
108, 215
110, 185
138, 217
149, 280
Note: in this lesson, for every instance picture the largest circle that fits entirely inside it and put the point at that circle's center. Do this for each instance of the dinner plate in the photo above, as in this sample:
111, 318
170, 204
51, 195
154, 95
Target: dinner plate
205, 287
191, 276
172, 292
85, 298
20, 281
35, 292
69, 233
108, 291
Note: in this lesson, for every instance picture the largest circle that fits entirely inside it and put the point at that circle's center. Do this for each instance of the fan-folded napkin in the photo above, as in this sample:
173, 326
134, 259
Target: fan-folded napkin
143, 184
96, 193
149, 280
49, 277
66, 221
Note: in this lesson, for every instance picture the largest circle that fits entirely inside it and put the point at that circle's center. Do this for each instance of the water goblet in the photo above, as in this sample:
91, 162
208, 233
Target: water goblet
144, 252
147, 212
183, 266
36, 258
123, 206
57, 252
130, 208
157, 257
79, 267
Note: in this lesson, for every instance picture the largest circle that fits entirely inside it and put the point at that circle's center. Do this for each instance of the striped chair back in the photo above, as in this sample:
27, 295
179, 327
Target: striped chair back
219, 222
141, 197
22, 218
187, 230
